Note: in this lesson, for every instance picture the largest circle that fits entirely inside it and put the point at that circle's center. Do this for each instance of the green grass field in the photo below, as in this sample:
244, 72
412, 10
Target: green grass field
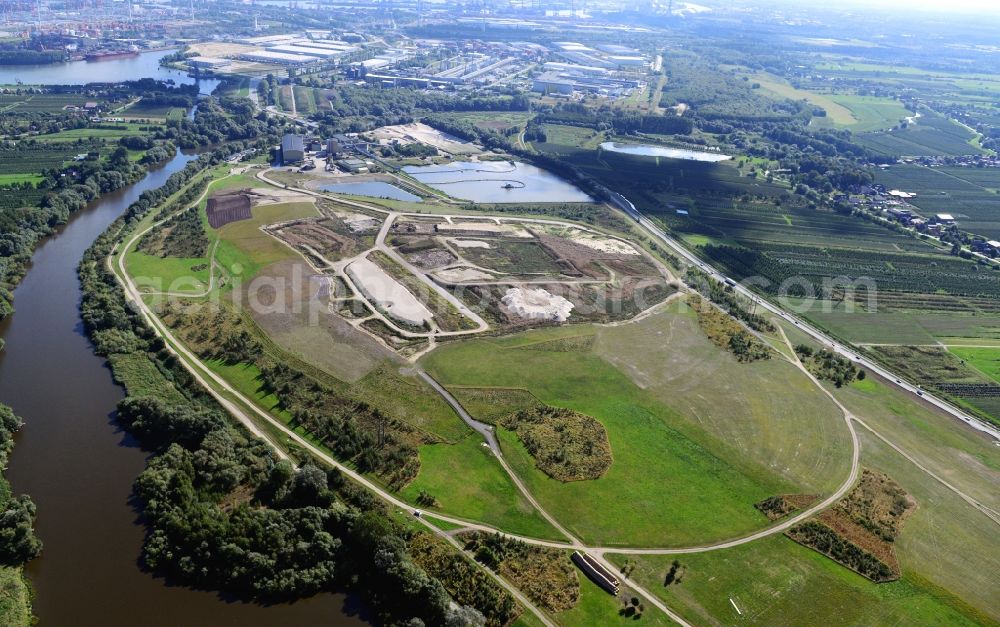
563, 135
872, 113
777, 581
836, 112
671, 483
946, 543
168, 274
768, 412
493, 120
243, 242
412, 401
143, 109
10, 179
597, 607
985, 360
141, 377
100, 133
969, 461
468, 482
15, 598
871, 328
946, 549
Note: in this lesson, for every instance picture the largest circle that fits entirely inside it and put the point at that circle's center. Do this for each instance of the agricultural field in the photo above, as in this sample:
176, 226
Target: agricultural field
284, 97
41, 103
929, 135
33, 158
872, 113
144, 109
946, 373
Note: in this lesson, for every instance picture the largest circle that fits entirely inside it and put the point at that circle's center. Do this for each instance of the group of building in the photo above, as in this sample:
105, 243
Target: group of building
293, 50
566, 67
893, 204
607, 70
567, 78
341, 150
933, 225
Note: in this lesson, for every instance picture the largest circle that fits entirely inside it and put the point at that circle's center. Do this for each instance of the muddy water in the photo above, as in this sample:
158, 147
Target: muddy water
78, 465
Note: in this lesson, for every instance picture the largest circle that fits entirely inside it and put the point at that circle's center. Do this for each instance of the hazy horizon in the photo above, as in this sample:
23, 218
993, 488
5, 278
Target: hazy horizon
991, 7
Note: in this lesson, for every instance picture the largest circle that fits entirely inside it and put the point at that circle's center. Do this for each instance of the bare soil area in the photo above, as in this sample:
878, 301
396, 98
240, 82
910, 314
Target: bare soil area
424, 134
300, 321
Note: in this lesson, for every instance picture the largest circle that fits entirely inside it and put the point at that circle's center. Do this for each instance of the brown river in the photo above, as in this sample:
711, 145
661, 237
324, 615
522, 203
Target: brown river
78, 465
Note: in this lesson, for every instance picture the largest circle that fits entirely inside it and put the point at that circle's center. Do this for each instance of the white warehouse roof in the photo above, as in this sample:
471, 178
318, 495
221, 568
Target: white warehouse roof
312, 52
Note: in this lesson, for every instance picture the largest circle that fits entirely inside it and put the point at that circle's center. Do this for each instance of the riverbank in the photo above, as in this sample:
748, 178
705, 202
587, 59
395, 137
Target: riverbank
88, 516
15, 597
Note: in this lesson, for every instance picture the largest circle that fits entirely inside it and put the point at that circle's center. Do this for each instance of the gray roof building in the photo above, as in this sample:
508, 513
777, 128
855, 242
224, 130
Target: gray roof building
292, 149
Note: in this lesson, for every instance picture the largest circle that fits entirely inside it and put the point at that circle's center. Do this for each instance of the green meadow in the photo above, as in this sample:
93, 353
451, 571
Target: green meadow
673, 482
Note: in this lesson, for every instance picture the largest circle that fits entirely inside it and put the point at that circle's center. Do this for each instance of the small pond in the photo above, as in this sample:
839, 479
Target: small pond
649, 150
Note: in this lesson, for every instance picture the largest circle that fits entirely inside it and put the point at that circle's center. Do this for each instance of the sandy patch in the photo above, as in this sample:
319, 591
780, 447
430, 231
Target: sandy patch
387, 293
536, 304
273, 195
483, 227
606, 245
358, 222
424, 134
470, 243
461, 275
221, 49
277, 192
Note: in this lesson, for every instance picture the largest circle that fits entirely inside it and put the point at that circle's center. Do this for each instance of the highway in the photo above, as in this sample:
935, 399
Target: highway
847, 351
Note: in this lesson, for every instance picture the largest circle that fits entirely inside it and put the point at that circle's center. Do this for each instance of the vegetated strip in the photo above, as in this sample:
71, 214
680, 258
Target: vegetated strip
859, 531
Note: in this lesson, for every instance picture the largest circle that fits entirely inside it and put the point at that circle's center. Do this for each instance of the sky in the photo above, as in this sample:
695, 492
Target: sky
965, 6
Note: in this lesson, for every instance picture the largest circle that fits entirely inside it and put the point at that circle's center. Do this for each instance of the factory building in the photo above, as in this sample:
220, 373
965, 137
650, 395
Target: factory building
567, 82
292, 149
302, 50
552, 83
627, 61
280, 58
555, 66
